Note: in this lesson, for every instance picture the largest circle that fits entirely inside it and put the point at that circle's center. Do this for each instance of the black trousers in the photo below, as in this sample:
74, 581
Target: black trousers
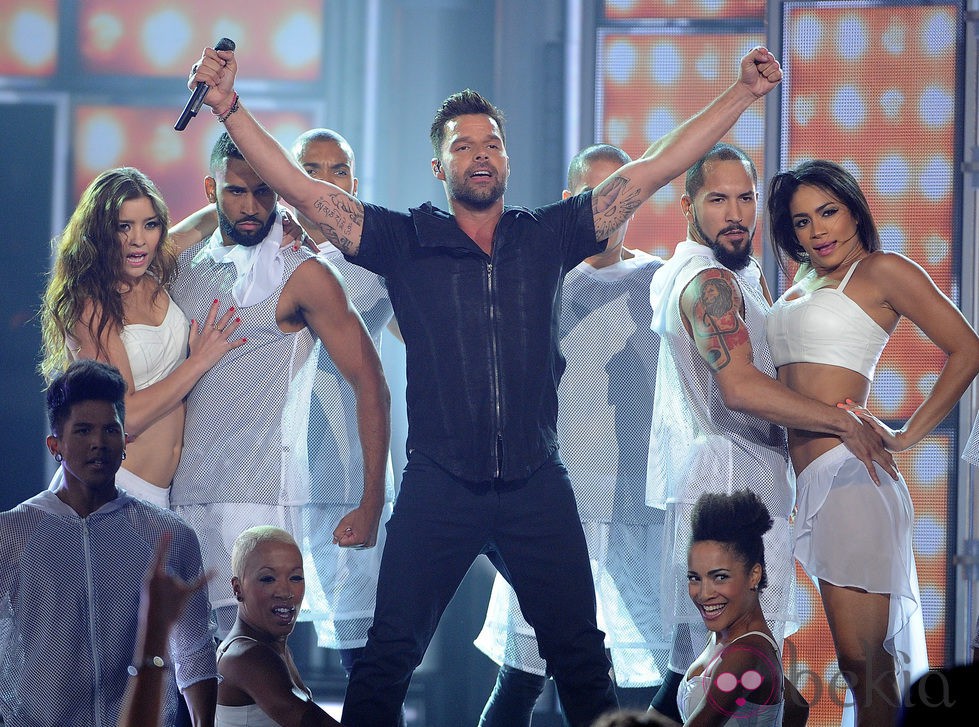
531, 531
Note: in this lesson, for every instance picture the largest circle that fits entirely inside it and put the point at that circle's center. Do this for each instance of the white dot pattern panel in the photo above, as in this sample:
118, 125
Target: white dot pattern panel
604, 414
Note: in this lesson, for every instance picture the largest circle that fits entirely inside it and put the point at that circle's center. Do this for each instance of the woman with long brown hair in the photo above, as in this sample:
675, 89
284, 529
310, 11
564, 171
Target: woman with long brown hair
107, 300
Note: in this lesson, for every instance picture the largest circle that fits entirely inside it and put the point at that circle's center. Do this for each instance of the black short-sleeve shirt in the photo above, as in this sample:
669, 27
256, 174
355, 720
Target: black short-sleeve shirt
481, 331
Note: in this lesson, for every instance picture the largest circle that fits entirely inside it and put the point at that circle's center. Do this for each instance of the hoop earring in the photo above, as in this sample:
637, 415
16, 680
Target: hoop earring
58, 457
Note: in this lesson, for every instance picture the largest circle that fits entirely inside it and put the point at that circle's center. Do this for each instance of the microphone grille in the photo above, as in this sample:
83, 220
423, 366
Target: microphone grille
224, 44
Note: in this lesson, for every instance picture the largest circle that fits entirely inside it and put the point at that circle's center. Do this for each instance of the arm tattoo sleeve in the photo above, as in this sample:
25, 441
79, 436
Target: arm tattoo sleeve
337, 219
613, 201
716, 322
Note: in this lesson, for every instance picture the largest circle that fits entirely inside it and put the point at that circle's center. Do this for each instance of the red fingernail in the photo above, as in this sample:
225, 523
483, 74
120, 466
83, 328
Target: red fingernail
237, 320
216, 301
231, 309
244, 340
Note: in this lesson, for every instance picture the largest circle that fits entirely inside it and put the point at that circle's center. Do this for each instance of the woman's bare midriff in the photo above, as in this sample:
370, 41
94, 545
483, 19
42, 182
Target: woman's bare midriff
828, 384
154, 454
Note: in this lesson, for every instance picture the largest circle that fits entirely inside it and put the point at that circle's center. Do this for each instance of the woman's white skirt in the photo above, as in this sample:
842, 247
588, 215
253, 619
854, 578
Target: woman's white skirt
850, 532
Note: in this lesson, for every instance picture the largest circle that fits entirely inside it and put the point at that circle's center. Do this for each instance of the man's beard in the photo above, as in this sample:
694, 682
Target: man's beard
247, 239
733, 260
477, 198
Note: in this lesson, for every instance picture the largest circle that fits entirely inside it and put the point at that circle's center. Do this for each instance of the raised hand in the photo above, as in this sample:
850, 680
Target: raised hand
162, 599
760, 71
217, 69
164, 595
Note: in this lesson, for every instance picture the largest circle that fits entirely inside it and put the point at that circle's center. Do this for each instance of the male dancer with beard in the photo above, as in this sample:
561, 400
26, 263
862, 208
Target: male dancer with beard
476, 290
718, 411
244, 461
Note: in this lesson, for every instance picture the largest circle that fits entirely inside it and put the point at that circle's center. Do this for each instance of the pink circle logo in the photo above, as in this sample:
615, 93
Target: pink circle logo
764, 668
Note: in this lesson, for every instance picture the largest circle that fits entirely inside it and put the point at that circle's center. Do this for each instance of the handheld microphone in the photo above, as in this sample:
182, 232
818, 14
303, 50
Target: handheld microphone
197, 97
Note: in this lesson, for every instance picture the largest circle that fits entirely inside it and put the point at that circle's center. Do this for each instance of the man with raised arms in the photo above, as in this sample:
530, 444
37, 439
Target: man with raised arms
475, 291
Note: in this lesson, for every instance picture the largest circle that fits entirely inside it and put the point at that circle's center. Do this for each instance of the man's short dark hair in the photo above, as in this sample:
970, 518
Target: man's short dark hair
721, 152
460, 104
84, 380
589, 155
224, 149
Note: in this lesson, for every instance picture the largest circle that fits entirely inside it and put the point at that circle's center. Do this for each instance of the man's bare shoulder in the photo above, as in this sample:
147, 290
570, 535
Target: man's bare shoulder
313, 272
314, 286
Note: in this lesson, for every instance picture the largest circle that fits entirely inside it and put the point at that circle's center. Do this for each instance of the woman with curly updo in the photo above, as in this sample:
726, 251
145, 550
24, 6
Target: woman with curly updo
738, 678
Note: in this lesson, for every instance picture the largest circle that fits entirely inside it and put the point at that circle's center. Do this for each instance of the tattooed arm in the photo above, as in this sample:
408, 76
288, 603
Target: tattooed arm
620, 195
712, 309
338, 215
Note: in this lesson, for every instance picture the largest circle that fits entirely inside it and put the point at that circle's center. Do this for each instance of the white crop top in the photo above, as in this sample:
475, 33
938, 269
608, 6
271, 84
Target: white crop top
250, 715
247, 715
155, 351
693, 690
825, 327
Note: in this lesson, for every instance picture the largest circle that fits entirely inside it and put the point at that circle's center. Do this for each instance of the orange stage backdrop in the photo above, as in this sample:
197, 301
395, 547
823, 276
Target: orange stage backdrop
143, 137
156, 37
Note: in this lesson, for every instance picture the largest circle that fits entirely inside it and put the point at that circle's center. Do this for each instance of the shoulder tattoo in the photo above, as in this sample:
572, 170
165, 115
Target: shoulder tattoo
716, 323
